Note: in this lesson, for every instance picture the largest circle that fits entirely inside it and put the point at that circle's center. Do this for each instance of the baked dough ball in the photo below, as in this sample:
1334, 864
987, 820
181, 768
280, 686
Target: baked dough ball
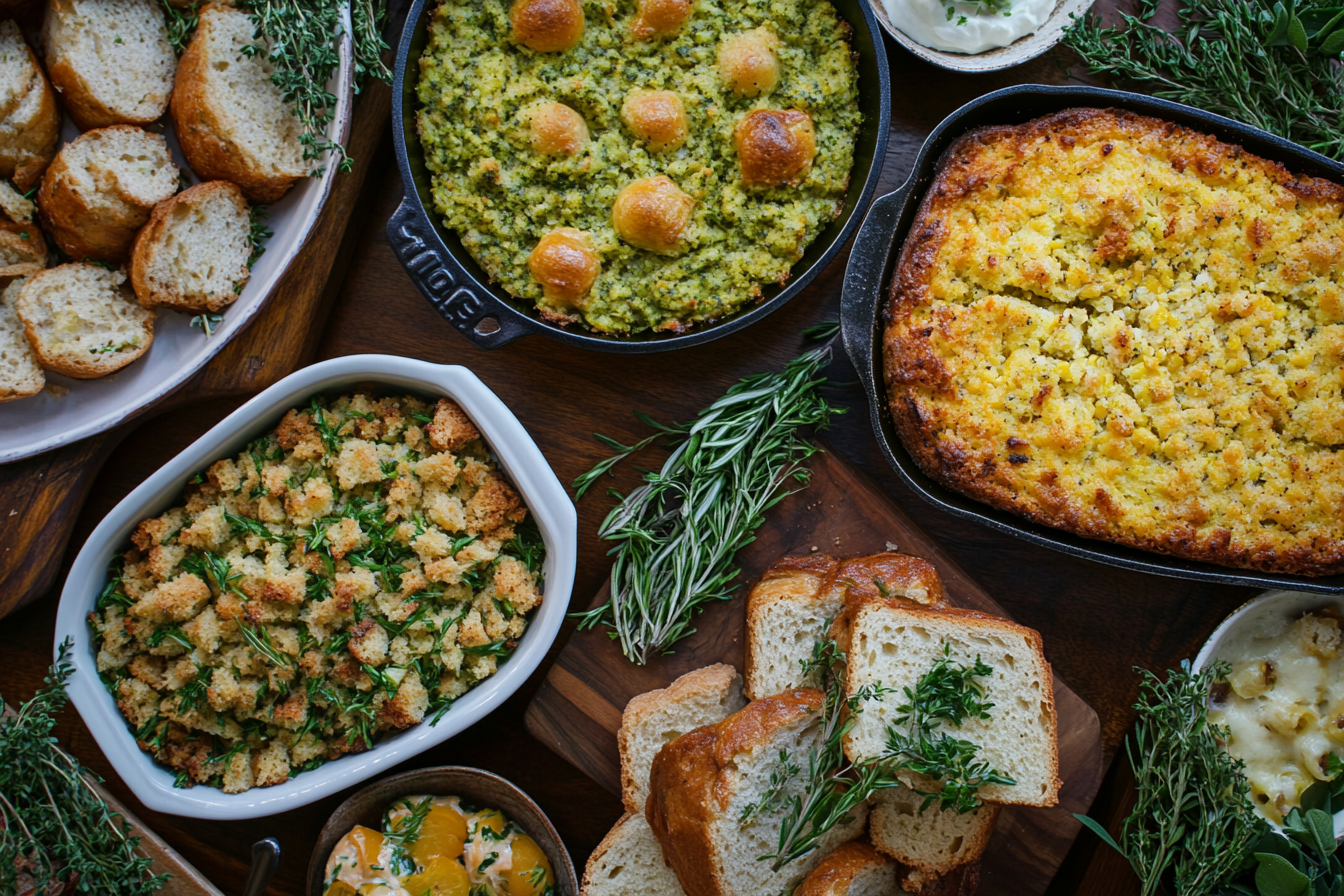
652, 214
747, 62
30, 122
656, 117
101, 189
566, 265
547, 26
775, 147
110, 60
557, 130
83, 320
660, 18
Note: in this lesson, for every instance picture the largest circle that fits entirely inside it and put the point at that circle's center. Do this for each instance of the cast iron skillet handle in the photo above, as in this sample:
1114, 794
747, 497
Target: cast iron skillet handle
265, 859
864, 283
421, 253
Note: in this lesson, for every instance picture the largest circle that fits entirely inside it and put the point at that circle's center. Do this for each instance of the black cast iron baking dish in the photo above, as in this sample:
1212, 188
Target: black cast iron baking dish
878, 246
458, 289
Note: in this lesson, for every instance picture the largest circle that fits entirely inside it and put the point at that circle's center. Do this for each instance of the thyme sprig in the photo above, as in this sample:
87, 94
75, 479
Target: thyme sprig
677, 534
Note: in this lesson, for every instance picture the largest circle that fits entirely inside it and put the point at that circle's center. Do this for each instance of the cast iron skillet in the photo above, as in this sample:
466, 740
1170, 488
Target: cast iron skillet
873, 260
484, 313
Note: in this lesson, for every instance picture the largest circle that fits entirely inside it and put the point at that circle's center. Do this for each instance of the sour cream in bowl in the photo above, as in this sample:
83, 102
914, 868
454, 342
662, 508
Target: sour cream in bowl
955, 26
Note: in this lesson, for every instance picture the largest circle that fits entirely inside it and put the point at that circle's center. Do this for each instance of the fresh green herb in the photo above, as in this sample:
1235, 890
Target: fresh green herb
257, 233
527, 545
399, 628
112, 347
56, 833
500, 649
259, 639
190, 695
388, 679
979, 7
330, 432
113, 592
240, 525
182, 780
822, 331
164, 632
487, 862
207, 323
677, 534
785, 770
1269, 66
211, 568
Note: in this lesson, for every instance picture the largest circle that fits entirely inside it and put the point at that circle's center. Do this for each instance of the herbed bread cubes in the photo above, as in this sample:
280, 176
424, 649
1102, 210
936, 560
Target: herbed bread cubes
110, 60
231, 120
629, 862
83, 321
192, 255
101, 188
30, 122
20, 374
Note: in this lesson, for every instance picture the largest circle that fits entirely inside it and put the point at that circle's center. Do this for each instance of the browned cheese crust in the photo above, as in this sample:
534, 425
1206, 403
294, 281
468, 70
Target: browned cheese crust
1128, 330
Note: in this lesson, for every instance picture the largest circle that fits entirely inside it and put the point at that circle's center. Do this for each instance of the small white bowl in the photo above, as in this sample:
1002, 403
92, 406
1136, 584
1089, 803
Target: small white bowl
1019, 51
1287, 604
521, 460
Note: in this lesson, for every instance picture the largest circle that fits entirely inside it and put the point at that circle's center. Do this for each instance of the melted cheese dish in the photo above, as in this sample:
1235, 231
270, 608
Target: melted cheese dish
1283, 706
439, 846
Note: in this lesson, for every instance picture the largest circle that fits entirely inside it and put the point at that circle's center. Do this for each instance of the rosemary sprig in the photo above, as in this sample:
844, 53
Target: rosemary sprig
677, 534
259, 639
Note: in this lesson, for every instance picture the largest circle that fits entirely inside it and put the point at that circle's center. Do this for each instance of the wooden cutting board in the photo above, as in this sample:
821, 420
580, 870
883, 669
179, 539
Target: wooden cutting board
578, 708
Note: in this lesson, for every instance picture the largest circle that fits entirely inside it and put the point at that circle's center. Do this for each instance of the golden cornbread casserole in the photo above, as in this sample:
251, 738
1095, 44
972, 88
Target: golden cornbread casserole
1119, 327
350, 573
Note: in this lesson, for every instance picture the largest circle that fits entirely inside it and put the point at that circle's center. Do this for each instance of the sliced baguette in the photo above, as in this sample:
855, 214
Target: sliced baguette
702, 697
20, 374
852, 869
22, 249
30, 121
101, 189
702, 781
629, 862
192, 255
933, 841
82, 320
895, 646
231, 121
110, 60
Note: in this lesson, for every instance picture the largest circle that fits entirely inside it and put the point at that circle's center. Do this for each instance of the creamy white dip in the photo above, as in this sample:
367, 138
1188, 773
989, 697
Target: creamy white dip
968, 30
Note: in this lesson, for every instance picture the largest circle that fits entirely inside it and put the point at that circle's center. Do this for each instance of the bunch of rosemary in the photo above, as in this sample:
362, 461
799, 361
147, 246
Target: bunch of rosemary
1273, 66
55, 830
677, 534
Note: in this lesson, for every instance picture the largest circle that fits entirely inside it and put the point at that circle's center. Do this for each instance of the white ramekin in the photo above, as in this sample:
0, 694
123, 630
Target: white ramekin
521, 460
1281, 603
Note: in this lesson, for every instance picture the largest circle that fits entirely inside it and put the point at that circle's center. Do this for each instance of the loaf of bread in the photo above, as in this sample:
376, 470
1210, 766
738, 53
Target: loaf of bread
22, 249
702, 781
83, 321
192, 255
932, 842
629, 862
30, 121
702, 697
895, 646
20, 374
231, 120
101, 189
110, 60
852, 869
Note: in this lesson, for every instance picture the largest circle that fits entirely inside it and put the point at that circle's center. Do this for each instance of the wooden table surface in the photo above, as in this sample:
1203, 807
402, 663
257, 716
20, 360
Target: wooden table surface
1097, 622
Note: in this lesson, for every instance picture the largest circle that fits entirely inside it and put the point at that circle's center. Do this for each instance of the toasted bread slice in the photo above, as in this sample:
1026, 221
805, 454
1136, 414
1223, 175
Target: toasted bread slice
22, 249
101, 189
82, 320
30, 121
962, 880
20, 374
852, 869
232, 122
895, 646
702, 782
629, 862
192, 255
933, 841
110, 60
702, 697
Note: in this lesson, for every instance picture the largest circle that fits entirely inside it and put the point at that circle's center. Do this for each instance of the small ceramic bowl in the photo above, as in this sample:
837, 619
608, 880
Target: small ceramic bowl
471, 784
523, 463
1016, 53
1287, 604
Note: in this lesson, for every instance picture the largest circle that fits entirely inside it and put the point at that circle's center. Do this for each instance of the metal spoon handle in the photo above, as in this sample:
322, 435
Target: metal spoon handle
265, 859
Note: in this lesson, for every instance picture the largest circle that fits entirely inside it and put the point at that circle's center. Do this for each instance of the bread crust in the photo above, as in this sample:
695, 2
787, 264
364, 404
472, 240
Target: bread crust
201, 135
24, 157
923, 360
148, 241
835, 873
786, 578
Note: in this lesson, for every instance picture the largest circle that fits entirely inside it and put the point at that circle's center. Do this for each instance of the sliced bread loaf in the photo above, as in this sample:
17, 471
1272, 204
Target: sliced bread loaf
232, 122
110, 60
30, 122
192, 255
933, 841
895, 646
22, 249
629, 862
702, 781
101, 189
82, 320
702, 697
20, 374
852, 869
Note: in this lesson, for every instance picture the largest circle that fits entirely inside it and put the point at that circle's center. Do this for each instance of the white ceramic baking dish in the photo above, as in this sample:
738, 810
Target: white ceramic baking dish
521, 460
